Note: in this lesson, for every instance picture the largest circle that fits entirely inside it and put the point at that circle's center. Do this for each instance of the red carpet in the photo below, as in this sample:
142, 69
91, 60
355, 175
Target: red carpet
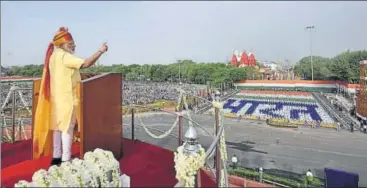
146, 164
15, 153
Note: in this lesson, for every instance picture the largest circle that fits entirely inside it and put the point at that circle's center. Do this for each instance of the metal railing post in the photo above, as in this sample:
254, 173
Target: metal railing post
132, 125
180, 126
13, 116
20, 128
218, 156
180, 130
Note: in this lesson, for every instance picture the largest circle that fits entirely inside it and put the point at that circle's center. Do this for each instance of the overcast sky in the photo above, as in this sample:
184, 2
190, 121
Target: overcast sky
162, 32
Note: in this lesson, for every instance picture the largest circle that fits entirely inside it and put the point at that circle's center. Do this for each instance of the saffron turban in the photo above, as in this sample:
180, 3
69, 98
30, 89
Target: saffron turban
61, 37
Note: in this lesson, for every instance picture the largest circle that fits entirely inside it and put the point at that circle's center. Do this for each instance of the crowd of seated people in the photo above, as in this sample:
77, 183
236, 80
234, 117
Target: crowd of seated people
148, 92
143, 93
6, 100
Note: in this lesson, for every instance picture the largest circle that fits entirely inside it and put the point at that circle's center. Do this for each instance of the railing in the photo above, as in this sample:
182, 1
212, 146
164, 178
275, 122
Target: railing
348, 105
344, 121
180, 116
223, 98
5, 125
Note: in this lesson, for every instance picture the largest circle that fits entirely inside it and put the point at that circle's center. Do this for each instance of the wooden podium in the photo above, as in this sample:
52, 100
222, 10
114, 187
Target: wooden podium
100, 113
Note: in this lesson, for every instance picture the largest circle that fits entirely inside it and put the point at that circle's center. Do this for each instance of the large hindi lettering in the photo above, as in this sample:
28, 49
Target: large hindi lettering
270, 109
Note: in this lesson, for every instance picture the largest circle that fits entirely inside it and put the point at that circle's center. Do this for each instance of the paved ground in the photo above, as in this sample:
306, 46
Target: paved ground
255, 144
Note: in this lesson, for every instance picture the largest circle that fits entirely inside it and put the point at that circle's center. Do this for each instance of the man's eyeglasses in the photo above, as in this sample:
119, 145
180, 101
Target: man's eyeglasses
71, 44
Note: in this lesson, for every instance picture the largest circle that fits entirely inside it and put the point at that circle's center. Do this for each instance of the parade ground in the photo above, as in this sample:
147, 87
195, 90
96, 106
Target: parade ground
255, 144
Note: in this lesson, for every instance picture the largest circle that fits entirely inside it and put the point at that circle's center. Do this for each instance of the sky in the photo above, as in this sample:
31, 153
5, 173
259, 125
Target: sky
164, 32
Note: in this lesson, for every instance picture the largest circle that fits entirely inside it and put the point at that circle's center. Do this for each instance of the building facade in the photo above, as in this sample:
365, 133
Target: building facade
242, 59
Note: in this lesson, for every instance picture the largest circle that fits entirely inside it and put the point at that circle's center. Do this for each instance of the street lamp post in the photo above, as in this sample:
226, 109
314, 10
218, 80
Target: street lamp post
310, 28
179, 71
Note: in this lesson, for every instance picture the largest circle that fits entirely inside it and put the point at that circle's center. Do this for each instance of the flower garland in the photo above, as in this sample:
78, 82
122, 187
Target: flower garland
223, 146
188, 165
98, 169
222, 149
222, 178
162, 135
168, 131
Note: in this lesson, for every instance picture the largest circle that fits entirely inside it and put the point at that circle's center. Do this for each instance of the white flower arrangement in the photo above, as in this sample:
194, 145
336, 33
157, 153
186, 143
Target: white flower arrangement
87, 174
58, 176
188, 165
98, 169
109, 167
96, 165
41, 178
23, 183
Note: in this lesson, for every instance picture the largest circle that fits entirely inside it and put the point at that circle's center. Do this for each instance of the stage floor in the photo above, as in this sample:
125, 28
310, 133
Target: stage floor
146, 164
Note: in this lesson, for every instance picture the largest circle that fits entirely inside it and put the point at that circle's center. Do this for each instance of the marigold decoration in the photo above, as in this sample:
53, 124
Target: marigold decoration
188, 165
223, 147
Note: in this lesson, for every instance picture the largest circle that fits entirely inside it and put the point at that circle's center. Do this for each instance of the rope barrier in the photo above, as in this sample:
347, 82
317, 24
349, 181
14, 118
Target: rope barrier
168, 132
158, 136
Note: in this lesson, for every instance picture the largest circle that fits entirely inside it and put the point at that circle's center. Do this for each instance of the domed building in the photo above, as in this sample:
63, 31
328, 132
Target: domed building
242, 59
251, 60
234, 61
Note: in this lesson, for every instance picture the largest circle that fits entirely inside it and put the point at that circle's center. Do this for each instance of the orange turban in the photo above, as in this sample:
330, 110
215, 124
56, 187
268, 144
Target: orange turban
61, 37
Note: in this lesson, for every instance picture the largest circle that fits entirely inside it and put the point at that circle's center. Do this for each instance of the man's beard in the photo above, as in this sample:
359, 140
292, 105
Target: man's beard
69, 50
72, 51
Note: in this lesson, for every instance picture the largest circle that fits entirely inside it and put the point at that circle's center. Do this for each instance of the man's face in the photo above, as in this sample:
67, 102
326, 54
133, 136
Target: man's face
70, 47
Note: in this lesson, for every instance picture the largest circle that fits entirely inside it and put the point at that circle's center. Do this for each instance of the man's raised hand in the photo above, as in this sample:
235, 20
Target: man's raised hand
103, 48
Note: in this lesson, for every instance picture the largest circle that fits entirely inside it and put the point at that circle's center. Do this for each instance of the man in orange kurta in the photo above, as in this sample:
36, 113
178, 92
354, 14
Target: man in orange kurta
55, 116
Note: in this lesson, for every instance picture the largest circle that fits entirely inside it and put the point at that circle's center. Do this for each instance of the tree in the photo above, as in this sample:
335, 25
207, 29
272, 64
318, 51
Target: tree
320, 66
344, 67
